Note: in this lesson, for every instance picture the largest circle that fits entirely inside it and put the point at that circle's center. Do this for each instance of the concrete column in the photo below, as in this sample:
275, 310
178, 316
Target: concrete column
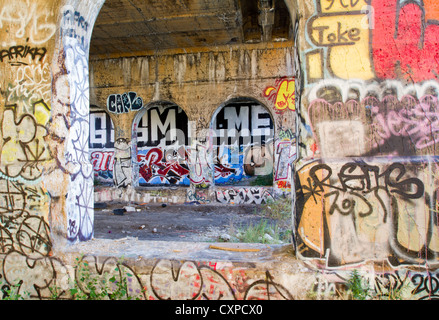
70, 176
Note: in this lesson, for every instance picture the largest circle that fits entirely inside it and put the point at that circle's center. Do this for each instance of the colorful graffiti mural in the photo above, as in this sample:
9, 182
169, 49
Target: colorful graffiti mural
372, 195
162, 140
243, 143
371, 123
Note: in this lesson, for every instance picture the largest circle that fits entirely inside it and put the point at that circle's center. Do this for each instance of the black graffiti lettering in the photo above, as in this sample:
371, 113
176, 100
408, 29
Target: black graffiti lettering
355, 182
352, 4
403, 187
425, 284
124, 103
320, 182
347, 206
16, 52
341, 36
78, 19
321, 30
363, 179
389, 283
268, 286
356, 176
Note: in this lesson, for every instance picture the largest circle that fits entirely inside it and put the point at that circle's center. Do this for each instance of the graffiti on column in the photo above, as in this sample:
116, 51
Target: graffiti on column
405, 40
356, 211
377, 39
74, 31
162, 144
371, 127
122, 163
283, 96
243, 144
24, 228
339, 32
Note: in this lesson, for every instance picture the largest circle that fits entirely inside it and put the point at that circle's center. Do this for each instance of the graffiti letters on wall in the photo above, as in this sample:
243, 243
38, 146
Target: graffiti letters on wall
162, 141
200, 163
243, 144
24, 152
244, 195
27, 21
123, 103
282, 94
102, 147
357, 210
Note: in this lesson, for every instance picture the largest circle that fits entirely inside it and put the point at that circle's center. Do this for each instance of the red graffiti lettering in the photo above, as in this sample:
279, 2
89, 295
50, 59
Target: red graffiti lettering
405, 44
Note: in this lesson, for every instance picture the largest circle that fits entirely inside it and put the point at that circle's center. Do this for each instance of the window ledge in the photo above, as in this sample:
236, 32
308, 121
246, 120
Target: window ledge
132, 248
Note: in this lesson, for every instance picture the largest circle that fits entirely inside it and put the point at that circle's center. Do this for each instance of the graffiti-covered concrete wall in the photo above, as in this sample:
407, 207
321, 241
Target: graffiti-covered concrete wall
366, 179
346, 127
220, 123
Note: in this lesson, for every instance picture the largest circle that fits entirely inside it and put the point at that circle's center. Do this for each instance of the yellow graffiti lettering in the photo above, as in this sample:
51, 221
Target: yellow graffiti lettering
42, 112
285, 95
348, 42
346, 37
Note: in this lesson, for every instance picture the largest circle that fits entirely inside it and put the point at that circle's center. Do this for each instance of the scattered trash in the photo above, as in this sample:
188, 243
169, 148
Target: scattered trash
129, 209
192, 202
100, 205
142, 227
267, 237
163, 205
119, 212
154, 230
225, 237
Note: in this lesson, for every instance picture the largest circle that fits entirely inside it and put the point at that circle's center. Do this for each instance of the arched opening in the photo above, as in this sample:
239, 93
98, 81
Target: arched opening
193, 54
161, 134
243, 138
101, 147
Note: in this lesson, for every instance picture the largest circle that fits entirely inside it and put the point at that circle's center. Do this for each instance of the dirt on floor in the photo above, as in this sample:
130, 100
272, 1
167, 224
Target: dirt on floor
173, 222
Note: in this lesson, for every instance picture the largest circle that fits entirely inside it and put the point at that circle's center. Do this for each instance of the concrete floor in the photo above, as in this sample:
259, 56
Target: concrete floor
183, 222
